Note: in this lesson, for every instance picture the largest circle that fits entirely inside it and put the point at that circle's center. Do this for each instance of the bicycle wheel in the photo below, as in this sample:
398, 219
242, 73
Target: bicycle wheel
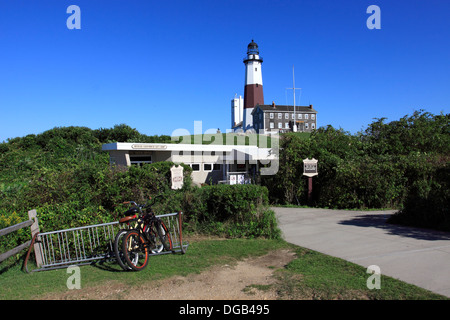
164, 235
118, 249
134, 250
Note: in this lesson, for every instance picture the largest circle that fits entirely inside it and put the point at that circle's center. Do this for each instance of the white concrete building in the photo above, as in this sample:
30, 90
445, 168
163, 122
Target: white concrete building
237, 112
210, 163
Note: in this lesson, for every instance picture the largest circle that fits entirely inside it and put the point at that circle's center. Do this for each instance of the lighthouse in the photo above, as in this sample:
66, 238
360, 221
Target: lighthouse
253, 91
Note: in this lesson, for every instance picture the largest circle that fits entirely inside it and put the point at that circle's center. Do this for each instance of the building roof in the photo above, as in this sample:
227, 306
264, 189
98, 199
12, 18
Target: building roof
284, 108
252, 152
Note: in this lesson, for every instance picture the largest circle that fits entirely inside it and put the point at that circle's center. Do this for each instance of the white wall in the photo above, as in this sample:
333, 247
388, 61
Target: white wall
237, 107
253, 74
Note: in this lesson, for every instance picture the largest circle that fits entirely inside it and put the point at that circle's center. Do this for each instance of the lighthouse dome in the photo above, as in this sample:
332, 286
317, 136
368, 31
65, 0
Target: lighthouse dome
252, 48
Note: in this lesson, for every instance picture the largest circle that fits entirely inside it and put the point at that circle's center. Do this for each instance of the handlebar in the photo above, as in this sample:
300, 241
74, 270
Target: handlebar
139, 211
154, 200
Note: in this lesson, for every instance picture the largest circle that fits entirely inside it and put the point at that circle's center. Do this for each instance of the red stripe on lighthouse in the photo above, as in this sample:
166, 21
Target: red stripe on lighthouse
253, 95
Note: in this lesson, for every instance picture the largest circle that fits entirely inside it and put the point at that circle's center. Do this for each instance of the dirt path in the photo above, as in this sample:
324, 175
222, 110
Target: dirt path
225, 282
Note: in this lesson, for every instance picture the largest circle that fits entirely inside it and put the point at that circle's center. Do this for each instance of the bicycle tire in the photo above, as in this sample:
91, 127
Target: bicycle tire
164, 235
118, 250
135, 250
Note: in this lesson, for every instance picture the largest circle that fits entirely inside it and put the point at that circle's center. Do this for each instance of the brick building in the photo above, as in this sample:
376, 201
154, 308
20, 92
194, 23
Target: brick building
267, 118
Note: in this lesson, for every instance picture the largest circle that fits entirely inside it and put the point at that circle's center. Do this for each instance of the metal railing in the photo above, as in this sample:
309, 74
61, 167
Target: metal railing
77, 245
84, 245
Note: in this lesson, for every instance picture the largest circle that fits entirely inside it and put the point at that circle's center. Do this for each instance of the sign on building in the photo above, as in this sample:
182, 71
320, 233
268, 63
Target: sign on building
177, 177
310, 167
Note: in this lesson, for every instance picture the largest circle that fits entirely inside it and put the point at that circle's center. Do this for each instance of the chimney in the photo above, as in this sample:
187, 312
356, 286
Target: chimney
273, 104
310, 106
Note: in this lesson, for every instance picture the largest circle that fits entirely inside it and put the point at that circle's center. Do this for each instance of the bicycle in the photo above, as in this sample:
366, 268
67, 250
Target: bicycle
131, 216
149, 234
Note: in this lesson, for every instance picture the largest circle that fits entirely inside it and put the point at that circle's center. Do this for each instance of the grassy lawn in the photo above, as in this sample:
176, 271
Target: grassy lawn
310, 275
313, 275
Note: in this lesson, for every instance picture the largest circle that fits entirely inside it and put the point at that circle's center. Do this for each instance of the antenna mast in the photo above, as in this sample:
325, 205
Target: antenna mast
294, 128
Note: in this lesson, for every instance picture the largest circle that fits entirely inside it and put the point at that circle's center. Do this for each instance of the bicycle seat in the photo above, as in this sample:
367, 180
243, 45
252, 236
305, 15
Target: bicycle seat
126, 219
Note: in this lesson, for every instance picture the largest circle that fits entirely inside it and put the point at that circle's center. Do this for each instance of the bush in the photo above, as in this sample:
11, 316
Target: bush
224, 210
363, 182
231, 210
60, 216
120, 184
427, 204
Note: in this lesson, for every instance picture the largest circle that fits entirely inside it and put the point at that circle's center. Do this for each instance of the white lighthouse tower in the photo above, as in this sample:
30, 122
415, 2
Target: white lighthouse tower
253, 91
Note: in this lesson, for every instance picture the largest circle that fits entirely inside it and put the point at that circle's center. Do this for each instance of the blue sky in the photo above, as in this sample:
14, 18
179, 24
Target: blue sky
161, 65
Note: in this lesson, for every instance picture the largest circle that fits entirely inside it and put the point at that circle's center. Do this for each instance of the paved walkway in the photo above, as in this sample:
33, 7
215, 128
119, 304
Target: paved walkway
413, 255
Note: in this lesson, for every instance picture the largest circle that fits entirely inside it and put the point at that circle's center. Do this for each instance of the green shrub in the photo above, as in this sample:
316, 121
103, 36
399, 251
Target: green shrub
54, 217
224, 210
427, 204
230, 210
120, 184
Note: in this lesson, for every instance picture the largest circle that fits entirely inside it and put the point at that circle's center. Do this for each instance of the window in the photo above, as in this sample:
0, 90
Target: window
286, 125
306, 116
279, 116
313, 125
300, 116
306, 125
286, 116
140, 160
293, 116
216, 166
272, 125
207, 167
280, 125
195, 167
271, 115
313, 117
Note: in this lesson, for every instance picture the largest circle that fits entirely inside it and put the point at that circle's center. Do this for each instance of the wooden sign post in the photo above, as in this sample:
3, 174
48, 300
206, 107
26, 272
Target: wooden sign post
310, 170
